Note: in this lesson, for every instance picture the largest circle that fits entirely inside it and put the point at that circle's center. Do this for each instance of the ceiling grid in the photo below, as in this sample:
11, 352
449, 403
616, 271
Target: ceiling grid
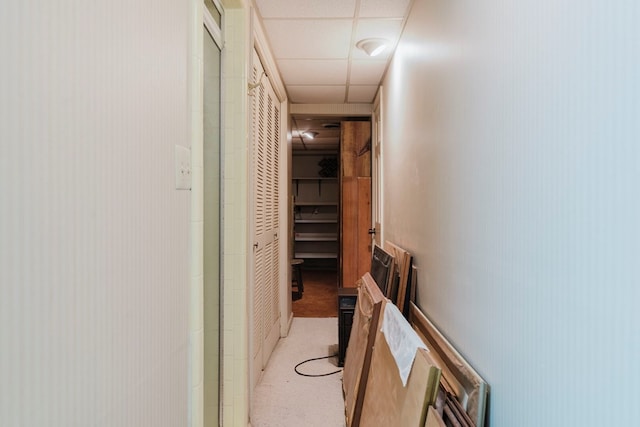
314, 45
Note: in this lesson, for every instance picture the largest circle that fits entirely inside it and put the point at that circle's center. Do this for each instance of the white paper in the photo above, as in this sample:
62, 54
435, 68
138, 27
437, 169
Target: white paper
402, 340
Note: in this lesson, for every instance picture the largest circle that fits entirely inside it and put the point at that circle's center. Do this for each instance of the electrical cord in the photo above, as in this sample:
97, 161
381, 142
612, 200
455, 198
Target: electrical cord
315, 375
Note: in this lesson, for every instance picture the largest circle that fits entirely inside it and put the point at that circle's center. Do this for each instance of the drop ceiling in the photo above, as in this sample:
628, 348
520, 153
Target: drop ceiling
314, 45
327, 129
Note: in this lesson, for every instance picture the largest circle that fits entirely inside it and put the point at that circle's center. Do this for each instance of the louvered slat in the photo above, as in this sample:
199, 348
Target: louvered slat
265, 156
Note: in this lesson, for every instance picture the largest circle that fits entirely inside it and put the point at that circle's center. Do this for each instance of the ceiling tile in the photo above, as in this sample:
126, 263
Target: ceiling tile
306, 8
309, 39
383, 8
367, 72
362, 93
313, 42
388, 29
316, 94
361, 55
313, 71
380, 28
326, 126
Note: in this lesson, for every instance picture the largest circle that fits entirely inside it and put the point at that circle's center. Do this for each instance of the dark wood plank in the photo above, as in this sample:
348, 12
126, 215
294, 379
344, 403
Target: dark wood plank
364, 224
349, 233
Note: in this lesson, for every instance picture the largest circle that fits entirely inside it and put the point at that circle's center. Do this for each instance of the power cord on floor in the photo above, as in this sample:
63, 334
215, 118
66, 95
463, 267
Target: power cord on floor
315, 375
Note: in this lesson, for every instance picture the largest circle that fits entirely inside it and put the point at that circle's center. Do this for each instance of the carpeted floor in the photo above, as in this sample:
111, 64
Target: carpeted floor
283, 398
320, 296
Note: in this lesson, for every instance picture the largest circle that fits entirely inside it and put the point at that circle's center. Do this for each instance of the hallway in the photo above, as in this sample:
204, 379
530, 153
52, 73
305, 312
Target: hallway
283, 398
508, 165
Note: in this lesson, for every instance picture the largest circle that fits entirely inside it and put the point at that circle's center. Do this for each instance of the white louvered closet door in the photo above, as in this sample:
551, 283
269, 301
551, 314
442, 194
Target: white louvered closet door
266, 245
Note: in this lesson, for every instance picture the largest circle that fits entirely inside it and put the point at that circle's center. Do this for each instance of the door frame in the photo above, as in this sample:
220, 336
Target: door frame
212, 391
376, 171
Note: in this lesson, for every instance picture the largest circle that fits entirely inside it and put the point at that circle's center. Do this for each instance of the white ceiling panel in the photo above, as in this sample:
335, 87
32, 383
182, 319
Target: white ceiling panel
309, 39
307, 8
367, 72
389, 29
362, 93
313, 43
383, 8
316, 94
314, 71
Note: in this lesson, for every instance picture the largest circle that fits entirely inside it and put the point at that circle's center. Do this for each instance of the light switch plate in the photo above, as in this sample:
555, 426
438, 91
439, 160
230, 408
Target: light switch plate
183, 168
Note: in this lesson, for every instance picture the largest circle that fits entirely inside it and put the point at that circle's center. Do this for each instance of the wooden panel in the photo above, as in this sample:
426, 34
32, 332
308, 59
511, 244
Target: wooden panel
355, 147
421, 390
387, 402
403, 265
412, 291
434, 419
355, 248
349, 232
366, 323
355, 161
460, 378
364, 223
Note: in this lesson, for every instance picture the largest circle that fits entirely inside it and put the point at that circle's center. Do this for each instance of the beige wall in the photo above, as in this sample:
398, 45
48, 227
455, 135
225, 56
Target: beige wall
240, 33
511, 132
235, 220
94, 246
101, 296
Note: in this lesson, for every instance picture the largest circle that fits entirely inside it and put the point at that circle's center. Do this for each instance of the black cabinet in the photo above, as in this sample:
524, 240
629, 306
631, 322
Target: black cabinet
347, 298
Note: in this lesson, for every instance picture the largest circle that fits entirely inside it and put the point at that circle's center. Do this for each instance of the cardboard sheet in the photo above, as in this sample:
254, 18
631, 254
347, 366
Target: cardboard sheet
403, 341
434, 419
387, 402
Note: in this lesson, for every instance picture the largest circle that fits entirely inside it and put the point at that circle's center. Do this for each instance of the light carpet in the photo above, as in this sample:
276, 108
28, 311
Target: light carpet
283, 398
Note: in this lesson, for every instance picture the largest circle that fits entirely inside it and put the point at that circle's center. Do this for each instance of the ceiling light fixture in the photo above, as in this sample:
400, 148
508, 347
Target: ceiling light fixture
372, 47
309, 134
331, 125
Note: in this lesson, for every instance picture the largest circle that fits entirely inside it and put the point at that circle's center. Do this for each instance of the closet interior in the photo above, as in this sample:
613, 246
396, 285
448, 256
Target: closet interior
328, 154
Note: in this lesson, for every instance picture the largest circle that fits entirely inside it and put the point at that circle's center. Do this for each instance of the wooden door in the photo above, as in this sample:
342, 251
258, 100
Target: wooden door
355, 206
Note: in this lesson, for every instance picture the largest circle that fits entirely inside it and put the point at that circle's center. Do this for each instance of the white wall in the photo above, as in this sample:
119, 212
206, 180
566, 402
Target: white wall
511, 172
235, 192
94, 254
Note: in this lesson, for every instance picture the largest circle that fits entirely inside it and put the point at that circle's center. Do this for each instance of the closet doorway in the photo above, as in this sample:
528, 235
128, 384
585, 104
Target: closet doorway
330, 155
